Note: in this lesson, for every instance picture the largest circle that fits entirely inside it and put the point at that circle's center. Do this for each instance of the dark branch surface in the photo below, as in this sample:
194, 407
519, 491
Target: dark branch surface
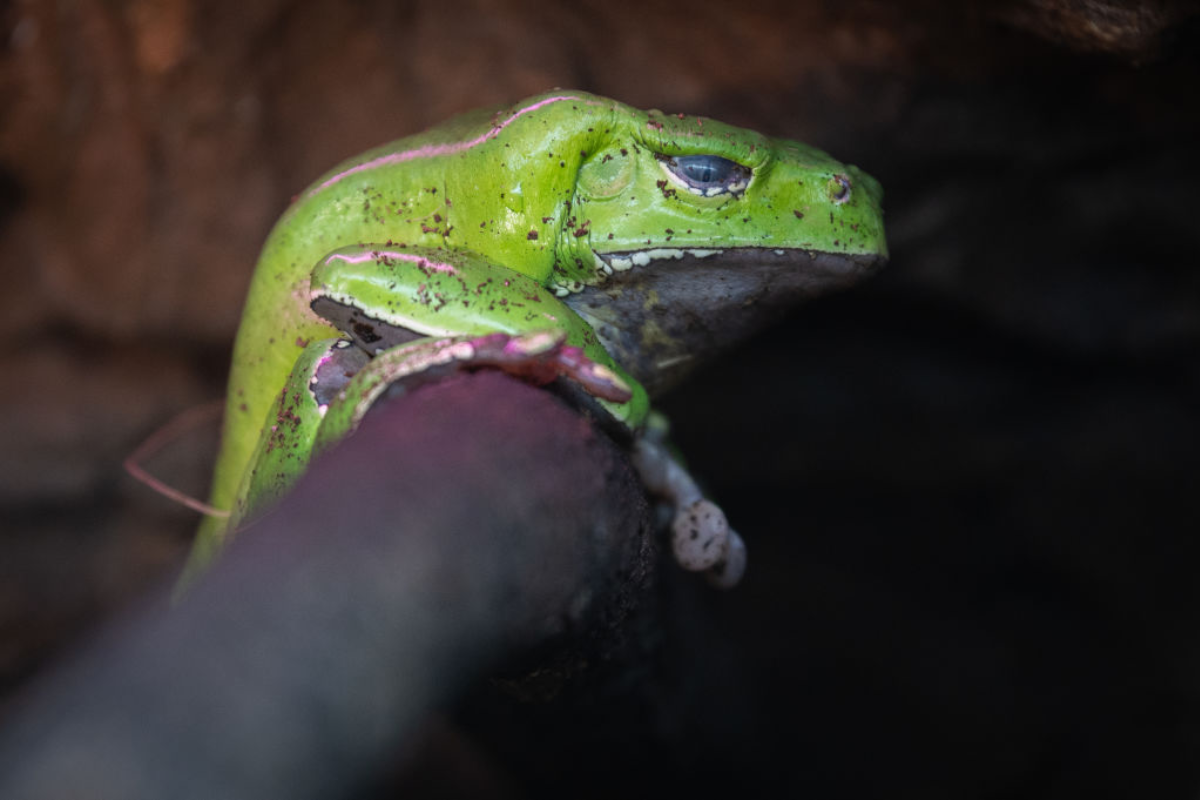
464, 526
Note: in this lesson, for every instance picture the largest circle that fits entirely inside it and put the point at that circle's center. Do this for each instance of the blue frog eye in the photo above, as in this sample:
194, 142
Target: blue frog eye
708, 175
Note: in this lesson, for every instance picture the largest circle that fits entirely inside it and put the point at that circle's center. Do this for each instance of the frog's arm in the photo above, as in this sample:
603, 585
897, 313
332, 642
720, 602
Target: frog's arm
384, 297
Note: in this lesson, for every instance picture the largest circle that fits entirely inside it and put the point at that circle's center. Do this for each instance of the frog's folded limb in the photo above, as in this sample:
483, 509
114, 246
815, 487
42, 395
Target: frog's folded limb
537, 357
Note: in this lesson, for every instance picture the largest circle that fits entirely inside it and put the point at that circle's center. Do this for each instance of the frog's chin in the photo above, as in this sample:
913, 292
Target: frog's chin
659, 310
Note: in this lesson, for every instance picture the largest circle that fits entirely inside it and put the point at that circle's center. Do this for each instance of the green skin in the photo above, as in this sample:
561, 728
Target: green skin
563, 213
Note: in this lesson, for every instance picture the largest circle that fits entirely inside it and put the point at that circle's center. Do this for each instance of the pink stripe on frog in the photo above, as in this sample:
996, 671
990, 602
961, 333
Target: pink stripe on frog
376, 255
431, 150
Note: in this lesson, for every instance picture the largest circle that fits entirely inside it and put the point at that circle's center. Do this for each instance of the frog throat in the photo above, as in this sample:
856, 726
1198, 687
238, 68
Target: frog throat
715, 297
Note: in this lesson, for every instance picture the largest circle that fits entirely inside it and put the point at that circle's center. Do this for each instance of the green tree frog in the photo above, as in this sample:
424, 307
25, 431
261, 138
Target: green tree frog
566, 235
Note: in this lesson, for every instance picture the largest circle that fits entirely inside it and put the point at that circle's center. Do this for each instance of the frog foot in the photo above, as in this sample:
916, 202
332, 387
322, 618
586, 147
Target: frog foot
537, 357
541, 356
701, 539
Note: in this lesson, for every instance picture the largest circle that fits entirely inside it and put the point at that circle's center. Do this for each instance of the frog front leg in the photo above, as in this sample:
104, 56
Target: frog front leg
386, 296
537, 357
383, 296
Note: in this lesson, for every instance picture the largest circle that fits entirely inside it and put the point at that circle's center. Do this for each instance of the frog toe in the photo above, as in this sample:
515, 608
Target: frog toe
700, 536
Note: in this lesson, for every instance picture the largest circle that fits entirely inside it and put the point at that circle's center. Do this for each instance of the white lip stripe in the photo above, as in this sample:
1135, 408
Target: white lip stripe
641, 258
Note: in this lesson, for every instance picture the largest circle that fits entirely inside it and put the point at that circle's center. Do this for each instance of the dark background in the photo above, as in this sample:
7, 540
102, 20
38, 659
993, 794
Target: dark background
969, 486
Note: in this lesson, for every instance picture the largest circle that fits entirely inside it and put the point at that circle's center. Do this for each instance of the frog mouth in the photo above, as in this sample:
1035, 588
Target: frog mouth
703, 281
804, 260
682, 303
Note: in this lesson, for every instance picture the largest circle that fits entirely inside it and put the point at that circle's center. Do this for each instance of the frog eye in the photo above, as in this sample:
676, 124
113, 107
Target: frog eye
839, 189
707, 175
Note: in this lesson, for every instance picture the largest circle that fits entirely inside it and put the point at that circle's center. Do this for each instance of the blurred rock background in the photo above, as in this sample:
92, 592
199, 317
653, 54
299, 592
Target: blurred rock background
970, 487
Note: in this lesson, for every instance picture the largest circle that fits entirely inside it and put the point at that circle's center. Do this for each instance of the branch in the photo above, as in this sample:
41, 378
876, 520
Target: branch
464, 525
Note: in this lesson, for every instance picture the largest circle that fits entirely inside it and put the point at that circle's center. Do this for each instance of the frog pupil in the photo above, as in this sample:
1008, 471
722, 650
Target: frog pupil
704, 171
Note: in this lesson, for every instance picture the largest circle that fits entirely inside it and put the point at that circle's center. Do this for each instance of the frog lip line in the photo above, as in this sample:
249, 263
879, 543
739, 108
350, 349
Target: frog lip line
623, 261
448, 148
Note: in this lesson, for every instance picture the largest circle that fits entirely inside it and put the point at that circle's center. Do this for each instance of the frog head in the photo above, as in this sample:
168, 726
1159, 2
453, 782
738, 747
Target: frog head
679, 223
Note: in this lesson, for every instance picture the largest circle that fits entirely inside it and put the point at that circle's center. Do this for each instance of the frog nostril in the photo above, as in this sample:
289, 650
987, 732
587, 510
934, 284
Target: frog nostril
839, 189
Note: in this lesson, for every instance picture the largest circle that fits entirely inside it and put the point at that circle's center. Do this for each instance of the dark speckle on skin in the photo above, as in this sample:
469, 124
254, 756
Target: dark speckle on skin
365, 332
